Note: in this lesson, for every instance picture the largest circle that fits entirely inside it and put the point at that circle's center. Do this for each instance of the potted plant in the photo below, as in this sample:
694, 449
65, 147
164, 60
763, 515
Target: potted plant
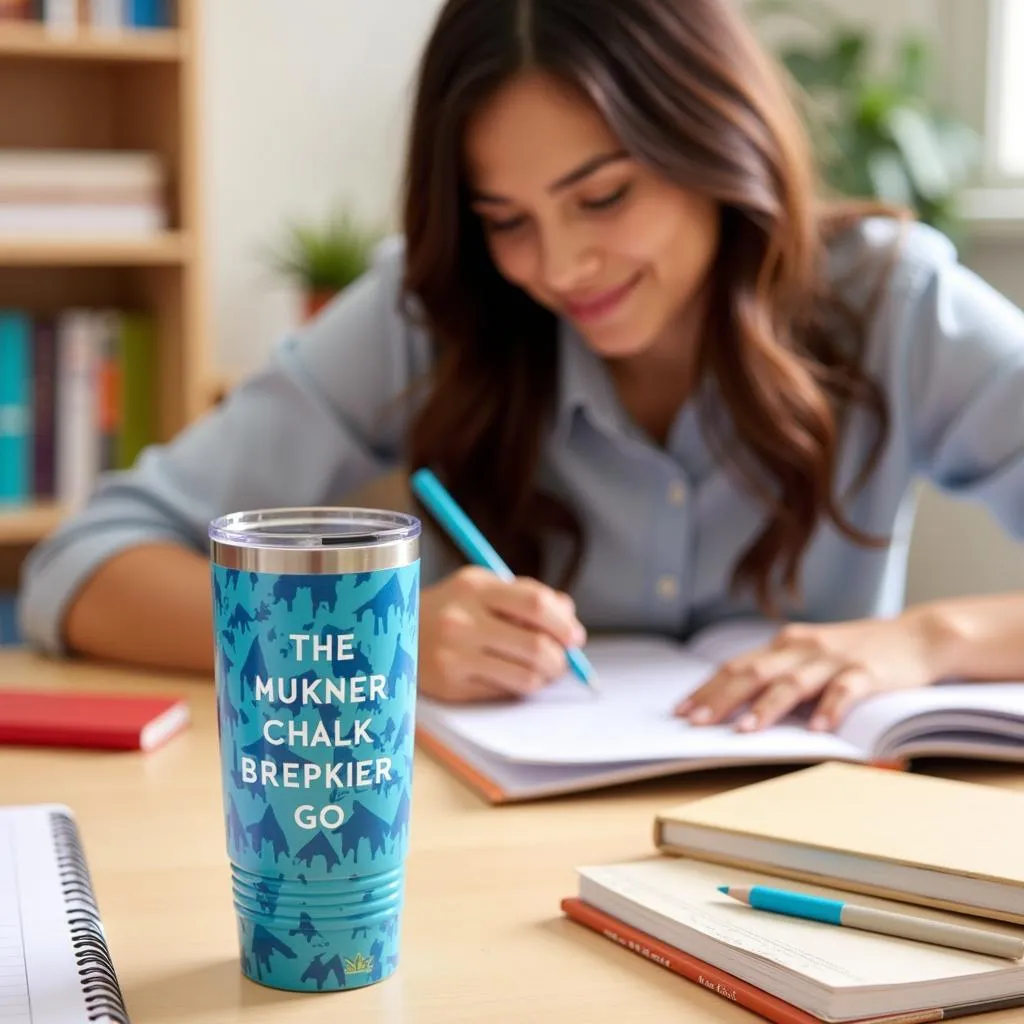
877, 135
324, 259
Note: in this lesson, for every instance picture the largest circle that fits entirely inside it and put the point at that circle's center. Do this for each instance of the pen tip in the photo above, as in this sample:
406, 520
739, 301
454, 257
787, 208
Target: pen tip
724, 888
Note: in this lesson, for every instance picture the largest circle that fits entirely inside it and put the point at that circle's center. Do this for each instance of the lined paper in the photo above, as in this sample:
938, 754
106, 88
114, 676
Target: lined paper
39, 978
15, 1007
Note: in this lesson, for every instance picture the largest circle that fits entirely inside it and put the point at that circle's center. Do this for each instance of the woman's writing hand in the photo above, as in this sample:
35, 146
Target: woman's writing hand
484, 638
833, 665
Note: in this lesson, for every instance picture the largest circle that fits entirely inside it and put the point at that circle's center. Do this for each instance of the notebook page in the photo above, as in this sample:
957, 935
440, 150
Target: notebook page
14, 1003
881, 722
44, 954
631, 720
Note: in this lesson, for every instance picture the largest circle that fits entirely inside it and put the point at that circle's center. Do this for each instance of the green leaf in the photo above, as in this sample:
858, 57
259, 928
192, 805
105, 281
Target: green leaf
889, 178
329, 256
809, 69
915, 136
874, 105
961, 147
847, 57
912, 77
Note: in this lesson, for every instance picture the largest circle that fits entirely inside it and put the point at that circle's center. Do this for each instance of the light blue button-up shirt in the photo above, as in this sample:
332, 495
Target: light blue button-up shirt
664, 526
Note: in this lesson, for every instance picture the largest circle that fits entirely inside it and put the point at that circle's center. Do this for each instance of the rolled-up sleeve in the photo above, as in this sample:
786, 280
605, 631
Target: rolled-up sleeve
963, 349
324, 416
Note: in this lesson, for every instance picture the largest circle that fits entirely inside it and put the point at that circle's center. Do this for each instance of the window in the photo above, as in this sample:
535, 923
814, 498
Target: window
1006, 90
981, 80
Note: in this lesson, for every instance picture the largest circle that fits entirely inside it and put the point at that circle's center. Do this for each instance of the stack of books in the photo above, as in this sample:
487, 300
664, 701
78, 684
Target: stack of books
919, 849
81, 192
76, 400
102, 14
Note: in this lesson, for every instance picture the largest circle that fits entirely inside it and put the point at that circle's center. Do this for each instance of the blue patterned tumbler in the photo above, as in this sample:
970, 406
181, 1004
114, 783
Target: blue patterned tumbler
316, 614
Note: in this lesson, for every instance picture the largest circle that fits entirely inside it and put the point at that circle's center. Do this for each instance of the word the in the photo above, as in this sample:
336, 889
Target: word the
333, 648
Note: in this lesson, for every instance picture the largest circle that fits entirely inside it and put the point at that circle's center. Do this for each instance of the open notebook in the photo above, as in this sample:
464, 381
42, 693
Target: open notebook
567, 739
828, 972
55, 967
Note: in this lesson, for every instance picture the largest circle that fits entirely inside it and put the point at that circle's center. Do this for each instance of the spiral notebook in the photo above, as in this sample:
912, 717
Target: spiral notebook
55, 967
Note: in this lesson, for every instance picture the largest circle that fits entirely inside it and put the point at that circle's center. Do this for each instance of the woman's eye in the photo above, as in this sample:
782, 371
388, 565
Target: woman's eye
508, 224
608, 201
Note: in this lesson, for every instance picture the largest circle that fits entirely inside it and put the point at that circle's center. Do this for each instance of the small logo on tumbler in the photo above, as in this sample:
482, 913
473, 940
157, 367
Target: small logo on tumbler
359, 964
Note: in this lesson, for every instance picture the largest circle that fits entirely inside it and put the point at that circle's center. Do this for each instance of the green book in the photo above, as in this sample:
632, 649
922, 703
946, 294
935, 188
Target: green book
138, 387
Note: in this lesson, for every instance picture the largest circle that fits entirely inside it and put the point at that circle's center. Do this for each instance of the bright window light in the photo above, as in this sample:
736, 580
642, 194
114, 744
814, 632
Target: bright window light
1010, 123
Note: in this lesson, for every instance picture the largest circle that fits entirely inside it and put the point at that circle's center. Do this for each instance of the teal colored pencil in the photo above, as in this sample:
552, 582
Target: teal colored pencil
475, 546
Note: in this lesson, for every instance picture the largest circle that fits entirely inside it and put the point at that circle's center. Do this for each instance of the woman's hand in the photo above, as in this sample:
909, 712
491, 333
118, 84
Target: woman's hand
835, 665
484, 638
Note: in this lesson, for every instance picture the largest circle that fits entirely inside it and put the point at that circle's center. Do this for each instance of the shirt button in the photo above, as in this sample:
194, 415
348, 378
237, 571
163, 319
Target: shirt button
676, 493
668, 587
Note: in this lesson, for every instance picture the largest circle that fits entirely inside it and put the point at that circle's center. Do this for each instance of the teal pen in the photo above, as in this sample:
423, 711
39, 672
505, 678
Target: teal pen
883, 922
463, 531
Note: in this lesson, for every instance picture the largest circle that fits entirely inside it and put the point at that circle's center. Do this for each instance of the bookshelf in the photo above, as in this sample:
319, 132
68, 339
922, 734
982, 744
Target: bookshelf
133, 89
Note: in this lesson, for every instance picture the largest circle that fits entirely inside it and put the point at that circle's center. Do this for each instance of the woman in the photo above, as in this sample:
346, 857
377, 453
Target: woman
668, 384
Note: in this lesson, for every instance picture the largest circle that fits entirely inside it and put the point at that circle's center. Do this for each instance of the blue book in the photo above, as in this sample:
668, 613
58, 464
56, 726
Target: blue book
15, 408
147, 13
10, 632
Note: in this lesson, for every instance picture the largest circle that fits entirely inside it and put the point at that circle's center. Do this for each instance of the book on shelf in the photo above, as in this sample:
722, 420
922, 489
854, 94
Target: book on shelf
76, 400
16, 10
566, 739
74, 193
103, 15
785, 969
10, 629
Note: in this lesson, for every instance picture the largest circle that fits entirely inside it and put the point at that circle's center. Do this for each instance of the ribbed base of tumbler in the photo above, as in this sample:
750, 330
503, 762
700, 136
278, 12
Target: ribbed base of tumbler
318, 935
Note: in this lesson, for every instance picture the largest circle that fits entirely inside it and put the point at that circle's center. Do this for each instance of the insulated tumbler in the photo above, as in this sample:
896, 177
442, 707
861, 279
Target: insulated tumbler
316, 614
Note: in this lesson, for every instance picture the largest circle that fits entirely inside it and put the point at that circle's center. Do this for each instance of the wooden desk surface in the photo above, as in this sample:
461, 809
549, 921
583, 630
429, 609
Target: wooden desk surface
483, 937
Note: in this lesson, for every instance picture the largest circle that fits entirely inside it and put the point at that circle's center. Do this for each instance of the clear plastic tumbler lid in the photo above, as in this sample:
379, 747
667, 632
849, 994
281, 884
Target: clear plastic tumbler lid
314, 528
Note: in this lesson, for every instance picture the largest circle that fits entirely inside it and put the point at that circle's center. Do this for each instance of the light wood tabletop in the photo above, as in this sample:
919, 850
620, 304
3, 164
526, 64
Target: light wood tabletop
483, 936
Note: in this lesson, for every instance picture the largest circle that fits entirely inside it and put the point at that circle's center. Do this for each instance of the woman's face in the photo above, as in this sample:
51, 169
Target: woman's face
582, 228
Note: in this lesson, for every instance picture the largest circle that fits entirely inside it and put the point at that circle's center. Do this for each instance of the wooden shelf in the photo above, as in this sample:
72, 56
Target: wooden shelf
138, 46
170, 248
28, 524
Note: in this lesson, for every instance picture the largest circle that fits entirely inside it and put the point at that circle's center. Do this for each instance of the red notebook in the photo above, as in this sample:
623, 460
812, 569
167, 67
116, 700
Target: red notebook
742, 993
105, 721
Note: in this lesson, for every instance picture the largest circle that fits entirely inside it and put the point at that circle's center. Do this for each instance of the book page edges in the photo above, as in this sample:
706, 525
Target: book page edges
475, 779
831, 882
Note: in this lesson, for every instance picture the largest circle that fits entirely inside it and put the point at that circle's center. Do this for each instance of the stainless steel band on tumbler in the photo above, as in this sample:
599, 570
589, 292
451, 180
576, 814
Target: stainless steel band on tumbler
362, 541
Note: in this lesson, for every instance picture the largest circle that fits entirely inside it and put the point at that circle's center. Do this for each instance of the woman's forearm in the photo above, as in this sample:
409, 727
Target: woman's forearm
148, 606
979, 637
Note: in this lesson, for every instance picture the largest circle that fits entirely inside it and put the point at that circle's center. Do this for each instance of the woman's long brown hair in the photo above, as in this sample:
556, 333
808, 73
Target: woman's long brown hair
687, 90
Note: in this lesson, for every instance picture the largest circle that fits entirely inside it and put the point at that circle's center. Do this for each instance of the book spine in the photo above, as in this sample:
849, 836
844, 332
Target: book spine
60, 15
44, 367
108, 388
77, 441
15, 408
137, 358
709, 978
15, 10
712, 979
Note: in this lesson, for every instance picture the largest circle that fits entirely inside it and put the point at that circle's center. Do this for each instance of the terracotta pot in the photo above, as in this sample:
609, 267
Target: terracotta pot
315, 300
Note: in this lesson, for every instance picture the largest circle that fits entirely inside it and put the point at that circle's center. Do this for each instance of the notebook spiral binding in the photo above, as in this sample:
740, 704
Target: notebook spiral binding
103, 999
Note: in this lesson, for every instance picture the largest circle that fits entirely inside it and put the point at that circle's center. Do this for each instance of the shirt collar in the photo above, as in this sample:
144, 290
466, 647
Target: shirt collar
585, 386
